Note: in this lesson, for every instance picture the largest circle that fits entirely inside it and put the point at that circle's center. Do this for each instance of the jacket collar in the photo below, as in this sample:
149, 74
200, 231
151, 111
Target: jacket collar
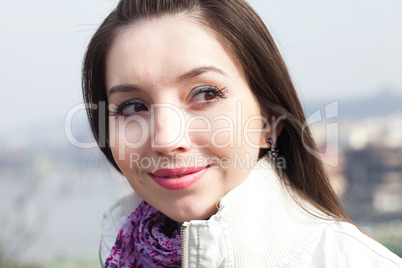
259, 222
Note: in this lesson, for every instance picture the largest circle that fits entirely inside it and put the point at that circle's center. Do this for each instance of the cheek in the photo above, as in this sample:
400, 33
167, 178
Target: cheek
231, 127
237, 130
224, 132
198, 130
252, 122
252, 131
127, 137
212, 130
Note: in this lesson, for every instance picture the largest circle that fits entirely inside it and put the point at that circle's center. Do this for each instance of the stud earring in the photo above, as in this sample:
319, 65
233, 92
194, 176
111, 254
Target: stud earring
273, 152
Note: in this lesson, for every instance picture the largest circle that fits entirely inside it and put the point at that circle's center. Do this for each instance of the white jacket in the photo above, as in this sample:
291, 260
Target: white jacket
259, 224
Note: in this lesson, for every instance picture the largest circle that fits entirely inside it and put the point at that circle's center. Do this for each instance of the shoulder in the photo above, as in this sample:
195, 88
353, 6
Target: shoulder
113, 219
341, 244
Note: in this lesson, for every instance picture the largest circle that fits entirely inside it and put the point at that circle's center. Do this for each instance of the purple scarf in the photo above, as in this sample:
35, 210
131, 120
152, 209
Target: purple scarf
141, 242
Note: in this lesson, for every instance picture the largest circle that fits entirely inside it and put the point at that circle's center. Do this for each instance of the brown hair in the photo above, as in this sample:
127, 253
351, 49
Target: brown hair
244, 34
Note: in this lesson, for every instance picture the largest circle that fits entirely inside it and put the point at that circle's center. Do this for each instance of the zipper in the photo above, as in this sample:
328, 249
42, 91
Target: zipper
183, 238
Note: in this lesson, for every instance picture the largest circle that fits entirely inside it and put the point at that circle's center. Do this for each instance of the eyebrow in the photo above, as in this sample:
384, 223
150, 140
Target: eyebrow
184, 77
123, 88
198, 71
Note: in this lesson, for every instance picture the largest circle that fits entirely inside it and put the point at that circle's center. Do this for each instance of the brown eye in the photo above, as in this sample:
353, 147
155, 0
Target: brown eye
129, 107
207, 94
132, 109
210, 95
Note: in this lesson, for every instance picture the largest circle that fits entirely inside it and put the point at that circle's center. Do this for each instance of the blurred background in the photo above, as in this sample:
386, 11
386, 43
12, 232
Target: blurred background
345, 59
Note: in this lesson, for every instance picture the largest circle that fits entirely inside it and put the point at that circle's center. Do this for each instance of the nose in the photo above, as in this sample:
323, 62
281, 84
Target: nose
168, 129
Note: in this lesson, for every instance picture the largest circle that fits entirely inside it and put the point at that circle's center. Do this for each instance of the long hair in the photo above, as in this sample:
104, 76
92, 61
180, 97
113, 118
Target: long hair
246, 37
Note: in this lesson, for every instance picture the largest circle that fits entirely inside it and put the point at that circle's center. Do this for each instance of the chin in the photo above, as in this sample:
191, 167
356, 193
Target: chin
181, 214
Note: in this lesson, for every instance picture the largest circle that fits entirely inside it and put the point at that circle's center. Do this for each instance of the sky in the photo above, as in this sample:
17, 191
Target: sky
335, 50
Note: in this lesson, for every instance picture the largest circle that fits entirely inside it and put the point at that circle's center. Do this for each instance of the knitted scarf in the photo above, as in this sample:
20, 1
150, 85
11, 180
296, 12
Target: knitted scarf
142, 241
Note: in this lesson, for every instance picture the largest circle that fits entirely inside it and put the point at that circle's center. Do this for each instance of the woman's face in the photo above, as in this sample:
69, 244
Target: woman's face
184, 126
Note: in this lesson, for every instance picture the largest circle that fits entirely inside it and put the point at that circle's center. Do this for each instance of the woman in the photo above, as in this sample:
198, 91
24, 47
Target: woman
205, 124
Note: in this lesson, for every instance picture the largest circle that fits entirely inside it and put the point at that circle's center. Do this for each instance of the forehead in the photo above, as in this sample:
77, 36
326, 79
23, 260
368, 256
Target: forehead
161, 49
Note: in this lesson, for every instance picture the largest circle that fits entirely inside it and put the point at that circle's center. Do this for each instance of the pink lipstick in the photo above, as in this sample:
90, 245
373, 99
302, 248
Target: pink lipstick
178, 178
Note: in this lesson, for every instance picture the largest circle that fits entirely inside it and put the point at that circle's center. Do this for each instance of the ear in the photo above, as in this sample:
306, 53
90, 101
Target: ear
270, 130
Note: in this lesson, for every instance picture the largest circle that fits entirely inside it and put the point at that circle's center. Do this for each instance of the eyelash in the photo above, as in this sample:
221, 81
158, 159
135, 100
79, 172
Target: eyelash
118, 109
219, 92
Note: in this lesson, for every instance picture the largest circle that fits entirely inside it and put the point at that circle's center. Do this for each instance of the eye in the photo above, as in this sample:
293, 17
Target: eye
207, 95
128, 108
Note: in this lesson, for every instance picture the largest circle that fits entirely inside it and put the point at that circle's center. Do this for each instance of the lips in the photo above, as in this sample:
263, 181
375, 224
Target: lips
178, 178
